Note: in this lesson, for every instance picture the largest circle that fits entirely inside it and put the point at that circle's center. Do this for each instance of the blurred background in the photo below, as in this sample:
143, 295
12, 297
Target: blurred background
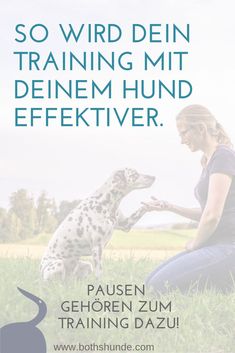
55, 165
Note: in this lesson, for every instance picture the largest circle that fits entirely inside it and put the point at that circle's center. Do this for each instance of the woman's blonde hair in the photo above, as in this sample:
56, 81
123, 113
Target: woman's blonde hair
196, 114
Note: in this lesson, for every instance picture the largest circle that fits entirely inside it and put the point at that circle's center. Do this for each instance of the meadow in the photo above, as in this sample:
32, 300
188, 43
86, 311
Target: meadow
206, 320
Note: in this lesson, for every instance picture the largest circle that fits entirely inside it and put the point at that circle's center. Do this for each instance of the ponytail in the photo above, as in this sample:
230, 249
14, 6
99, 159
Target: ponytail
221, 136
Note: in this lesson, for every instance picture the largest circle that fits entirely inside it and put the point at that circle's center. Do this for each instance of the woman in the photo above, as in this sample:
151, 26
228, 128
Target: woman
209, 259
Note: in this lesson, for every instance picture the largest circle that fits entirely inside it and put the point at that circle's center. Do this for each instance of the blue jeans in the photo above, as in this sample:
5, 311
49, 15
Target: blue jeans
208, 267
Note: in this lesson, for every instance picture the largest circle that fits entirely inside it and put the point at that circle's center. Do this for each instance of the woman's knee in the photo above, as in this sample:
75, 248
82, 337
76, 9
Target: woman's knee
153, 274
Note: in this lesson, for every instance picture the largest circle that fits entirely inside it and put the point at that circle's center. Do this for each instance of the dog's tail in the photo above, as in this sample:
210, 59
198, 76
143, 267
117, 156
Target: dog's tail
42, 308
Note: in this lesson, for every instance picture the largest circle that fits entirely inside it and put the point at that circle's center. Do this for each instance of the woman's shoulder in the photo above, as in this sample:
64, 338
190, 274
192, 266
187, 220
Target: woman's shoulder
223, 151
223, 160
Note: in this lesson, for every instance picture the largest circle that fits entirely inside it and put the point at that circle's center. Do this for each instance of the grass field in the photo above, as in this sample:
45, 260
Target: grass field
135, 239
157, 245
206, 320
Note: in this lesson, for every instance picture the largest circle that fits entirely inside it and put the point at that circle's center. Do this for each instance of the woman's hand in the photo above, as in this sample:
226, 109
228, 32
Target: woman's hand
156, 205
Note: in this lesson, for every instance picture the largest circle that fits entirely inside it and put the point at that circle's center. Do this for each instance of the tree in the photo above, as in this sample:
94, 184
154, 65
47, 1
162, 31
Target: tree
46, 211
13, 227
24, 219
3, 234
22, 205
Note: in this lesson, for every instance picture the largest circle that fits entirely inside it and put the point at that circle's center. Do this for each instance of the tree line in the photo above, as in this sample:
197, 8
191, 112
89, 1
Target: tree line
27, 217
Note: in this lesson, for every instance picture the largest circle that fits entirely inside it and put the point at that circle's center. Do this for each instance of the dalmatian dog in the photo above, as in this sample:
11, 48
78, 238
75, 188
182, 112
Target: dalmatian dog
89, 227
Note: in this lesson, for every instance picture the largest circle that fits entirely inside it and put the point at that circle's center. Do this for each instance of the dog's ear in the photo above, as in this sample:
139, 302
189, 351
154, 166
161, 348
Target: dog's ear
120, 175
120, 178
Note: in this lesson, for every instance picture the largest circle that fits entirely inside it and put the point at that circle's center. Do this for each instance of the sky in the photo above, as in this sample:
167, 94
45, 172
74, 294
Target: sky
70, 163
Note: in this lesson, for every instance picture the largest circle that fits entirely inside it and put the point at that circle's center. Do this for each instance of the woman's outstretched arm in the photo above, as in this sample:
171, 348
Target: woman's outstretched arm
159, 205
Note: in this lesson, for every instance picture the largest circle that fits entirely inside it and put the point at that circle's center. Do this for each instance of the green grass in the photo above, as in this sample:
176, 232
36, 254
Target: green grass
150, 239
136, 239
207, 320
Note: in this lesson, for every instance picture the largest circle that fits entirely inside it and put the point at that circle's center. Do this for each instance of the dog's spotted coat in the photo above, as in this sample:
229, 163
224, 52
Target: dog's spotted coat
89, 227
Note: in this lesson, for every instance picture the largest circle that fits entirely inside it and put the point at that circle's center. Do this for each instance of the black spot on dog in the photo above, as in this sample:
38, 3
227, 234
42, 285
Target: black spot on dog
80, 219
99, 209
114, 192
79, 232
101, 231
70, 219
107, 200
69, 246
84, 246
89, 219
